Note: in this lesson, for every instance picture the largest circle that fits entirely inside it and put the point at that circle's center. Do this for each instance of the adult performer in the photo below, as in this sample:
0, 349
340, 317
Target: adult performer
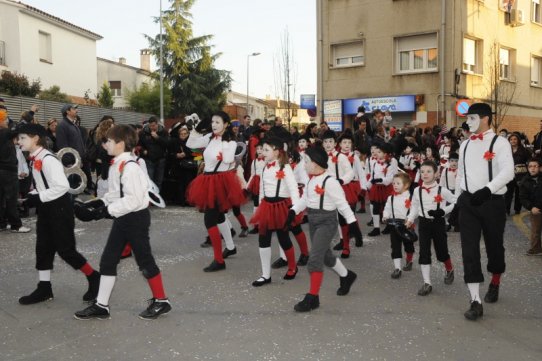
485, 167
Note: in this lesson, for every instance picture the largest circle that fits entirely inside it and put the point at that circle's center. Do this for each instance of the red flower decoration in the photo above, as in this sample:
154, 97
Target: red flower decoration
438, 198
293, 165
280, 174
489, 155
112, 161
38, 164
121, 166
219, 156
334, 159
408, 203
319, 190
351, 159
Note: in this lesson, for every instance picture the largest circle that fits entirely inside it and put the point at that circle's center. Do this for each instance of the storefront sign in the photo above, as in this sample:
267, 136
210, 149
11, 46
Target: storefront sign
333, 114
400, 103
308, 101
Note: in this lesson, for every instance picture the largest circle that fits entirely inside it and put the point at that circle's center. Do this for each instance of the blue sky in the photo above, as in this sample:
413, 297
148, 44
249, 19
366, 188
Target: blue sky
240, 27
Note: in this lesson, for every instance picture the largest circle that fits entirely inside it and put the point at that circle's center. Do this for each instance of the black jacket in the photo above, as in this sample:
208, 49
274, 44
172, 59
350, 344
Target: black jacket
69, 135
530, 192
156, 148
8, 155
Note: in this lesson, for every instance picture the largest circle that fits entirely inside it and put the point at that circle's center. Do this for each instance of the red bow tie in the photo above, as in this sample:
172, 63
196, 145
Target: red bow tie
112, 161
477, 136
217, 136
428, 190
32, 159
330, 154
380, 162
260, 158
269, 165
451, 170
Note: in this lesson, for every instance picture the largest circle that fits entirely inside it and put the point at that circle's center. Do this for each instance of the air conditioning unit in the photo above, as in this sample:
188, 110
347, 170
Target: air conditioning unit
517, 17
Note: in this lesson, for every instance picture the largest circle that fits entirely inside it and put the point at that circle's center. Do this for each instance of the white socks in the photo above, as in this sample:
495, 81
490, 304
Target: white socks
397, 263
265, 258
474, 289
45, 276
340, 269
225, 231
106, 287
282, 254
376, 220
426, 273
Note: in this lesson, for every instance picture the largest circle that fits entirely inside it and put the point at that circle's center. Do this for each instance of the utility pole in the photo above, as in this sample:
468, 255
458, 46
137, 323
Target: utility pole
161, 70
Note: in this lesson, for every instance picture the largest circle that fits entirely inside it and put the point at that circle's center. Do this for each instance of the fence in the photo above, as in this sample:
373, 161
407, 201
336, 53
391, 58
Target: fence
90, 115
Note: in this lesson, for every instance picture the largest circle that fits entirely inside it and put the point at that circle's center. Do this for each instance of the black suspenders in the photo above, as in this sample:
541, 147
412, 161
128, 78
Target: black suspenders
120, 177
323, 194
43, 179
278, 183
392, 208
489, 161
421, 200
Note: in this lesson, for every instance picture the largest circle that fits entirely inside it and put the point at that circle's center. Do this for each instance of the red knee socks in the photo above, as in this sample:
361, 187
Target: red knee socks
448, 265
316, 282
496, 279
157, 287
216, 241
302, 242
346, 238
242, 221
87, 269
127, 250
290, 257
409, 257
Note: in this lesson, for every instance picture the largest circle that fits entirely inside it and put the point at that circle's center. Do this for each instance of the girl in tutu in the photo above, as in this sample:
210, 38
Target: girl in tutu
253, 186
278, 190
218, 188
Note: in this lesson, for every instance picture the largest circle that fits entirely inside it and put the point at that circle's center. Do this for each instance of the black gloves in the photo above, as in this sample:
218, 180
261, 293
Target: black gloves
341, 182
95, 203
354, 231
480, 196
289, 219
32, 200
204, 126
436, 213
90, 211
376, 180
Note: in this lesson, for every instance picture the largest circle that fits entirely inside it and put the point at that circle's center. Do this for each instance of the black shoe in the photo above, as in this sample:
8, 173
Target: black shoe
244, 233
303, 260
93, 287
449, 278
448, 228
425, 290
93, 311
345, 254
346, 283
375, 232
44, 292
229, 252
309, 303
396, 274
407, 267
215, 266
279, 263
361, 210
370, 223
156, 308
290, 276
254, 230
261, 281
338, 246
492, 294
387, 229
476, 311
207, 243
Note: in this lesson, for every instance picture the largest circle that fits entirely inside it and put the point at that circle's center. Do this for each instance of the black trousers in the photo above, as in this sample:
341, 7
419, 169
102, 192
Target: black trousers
134, 228
9, 192
512, 191
54, 229
433, 230
397, 242
488, 219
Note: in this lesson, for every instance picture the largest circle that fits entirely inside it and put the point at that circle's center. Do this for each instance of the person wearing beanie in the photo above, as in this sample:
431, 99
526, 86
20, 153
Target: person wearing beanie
323, 198
486, 166
55, 224
278, 191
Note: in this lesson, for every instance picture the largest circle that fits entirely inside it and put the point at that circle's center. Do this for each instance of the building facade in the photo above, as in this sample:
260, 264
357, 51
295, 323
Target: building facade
42, 46
421, 59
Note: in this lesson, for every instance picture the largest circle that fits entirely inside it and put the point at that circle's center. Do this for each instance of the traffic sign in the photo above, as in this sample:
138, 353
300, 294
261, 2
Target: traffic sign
462, 107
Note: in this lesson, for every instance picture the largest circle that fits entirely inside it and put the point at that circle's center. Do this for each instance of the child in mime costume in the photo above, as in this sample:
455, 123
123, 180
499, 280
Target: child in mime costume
322, 199
55, 224
127, 201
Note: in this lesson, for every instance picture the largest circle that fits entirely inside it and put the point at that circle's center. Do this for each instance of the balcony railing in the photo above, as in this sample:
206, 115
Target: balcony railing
2, 53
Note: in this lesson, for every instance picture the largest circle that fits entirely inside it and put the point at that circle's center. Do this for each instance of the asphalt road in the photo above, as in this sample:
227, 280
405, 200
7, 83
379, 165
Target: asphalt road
221, 316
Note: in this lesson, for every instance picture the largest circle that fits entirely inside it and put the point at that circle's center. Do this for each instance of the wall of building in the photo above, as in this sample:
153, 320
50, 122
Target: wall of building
9, 34
130, 78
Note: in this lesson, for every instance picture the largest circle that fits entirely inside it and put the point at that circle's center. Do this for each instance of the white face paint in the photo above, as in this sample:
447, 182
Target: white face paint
27, 143
329, 144
302, 143
217, 125
346, 145
473, 121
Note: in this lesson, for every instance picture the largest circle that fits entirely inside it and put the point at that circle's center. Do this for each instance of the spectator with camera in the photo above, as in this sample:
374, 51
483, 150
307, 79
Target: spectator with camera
153, 140
530, 194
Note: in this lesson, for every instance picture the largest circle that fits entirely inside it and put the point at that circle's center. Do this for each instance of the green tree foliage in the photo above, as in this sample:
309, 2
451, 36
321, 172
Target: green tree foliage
196, 85
54, 93
146, 99
18, 84
105, 97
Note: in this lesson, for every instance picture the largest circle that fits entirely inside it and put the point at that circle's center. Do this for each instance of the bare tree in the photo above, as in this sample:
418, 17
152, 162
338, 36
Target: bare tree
285, 74
500, 92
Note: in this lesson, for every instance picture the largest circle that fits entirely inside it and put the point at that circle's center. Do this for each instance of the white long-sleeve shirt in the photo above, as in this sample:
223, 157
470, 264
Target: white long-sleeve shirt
300, 173
407, 160
135, 186
269, 181
473, 170
401, 205
53, 171
256, 168
448, 178
215, 151
338, 162
22, 166
430, 201
383, 170
334, 198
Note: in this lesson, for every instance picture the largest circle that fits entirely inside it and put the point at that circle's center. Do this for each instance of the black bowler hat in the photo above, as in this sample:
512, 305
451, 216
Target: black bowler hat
31, 129
482, 109
318, 155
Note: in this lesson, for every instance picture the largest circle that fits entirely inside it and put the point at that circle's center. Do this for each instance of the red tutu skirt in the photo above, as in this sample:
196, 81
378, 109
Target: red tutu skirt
352, 191
220, 190
271, 216
412, 174
380, 193
254, 186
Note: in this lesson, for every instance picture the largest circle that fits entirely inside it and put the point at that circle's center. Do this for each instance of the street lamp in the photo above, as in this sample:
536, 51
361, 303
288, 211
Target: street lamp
248, 74
161, 70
